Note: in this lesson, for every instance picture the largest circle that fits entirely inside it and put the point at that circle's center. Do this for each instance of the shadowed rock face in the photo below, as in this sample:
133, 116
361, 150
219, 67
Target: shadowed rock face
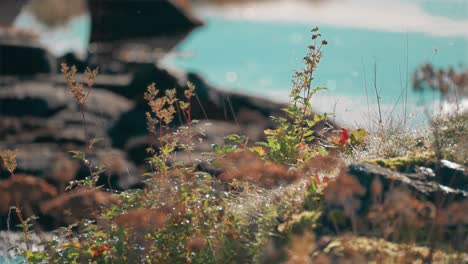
21, 55
15, 60
9, 9
421, 185
401, 206
139, 21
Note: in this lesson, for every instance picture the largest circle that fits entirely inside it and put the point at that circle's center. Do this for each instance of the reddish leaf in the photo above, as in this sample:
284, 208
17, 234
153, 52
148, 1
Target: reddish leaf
344, 137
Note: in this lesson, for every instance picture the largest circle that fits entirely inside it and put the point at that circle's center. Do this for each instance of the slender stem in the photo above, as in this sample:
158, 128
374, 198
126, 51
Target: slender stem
307, 95
160, 134
87, 94
24, 225
88, 147
377, 93
201, 106
84, 127
189, 122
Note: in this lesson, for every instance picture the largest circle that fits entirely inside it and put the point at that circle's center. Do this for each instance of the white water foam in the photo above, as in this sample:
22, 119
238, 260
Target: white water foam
381, 15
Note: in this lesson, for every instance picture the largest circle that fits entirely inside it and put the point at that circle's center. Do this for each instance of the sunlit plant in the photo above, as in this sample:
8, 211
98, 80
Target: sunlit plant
291, 142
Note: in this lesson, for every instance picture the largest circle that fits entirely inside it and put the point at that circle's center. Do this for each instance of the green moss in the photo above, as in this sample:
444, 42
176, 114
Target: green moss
407, 163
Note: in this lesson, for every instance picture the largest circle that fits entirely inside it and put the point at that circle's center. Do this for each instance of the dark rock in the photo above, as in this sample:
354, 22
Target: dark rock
147, 73
134, 79
139, 21
40, 112
19, 129
42, 99
136, 149
405, 207
37, 99
118, 168
452, 174
225, 105
22, 56
420, 185
130, 125
35, 159
210, 169
23, 61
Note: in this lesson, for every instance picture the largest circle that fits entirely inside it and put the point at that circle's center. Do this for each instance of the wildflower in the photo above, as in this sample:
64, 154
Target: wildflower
8, 158
76, 88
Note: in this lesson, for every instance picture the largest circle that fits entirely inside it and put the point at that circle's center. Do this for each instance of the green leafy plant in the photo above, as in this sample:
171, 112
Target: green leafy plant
291, 142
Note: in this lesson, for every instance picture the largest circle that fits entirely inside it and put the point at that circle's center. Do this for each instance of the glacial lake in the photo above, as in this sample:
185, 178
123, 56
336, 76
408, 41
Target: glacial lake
255, 49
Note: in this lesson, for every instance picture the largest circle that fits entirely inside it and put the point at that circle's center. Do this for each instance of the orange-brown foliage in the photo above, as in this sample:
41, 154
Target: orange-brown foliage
247, 166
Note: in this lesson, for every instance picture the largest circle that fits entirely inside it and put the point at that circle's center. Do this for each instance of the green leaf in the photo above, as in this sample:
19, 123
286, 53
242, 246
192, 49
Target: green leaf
78, 154
234, 138
358, 136
319, 117
94, 141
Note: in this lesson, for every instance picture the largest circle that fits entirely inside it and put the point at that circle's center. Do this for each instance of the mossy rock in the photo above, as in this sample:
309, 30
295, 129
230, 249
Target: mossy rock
408, 163
371, 250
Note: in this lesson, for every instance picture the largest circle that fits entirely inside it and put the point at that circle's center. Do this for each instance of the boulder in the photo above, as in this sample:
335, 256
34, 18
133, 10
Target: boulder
22, 55
35, 159
452, 174
37, 111
419, 184
36, 99
129, 21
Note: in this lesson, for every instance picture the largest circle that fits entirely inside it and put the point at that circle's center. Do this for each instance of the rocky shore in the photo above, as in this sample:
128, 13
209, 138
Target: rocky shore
40, 119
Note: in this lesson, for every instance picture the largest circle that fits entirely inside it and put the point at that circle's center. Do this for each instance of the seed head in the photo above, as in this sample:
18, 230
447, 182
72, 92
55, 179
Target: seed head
8, 158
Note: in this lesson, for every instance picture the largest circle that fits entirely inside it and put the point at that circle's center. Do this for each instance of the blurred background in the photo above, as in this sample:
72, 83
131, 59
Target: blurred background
254, 46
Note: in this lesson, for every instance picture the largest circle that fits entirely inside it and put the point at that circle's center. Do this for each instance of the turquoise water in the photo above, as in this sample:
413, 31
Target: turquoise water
454, 9
4, 260
259, 58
